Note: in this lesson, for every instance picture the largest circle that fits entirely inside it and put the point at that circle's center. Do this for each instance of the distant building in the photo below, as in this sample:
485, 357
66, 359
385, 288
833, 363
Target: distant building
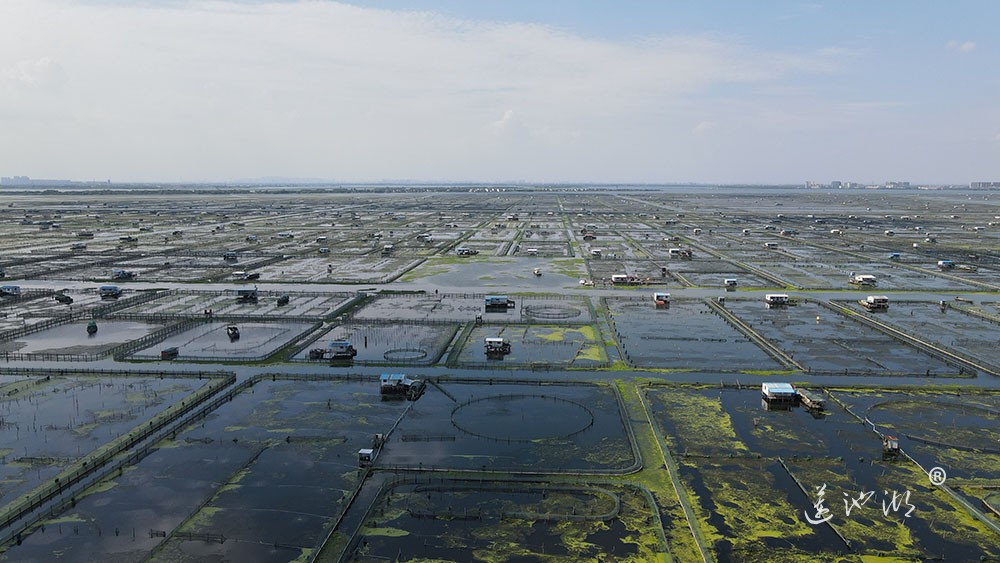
15, 181
985, 185
836, 184
24, 181
897, 185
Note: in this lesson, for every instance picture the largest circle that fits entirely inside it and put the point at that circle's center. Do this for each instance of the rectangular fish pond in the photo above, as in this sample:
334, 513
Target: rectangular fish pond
48, 422
211, 340
513, 428
262, 477
955, 326
543, 345
370, 268
378, 343
754, 474
687, 334
74, 339
496, 521
466, 307
962, 436
822, 340
225, 303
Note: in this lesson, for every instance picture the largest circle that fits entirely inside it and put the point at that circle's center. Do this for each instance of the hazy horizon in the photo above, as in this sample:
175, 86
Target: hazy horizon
440, 91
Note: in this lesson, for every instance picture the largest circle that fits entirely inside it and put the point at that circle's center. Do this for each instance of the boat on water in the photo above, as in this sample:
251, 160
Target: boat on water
537, 271
336, 350
496, 347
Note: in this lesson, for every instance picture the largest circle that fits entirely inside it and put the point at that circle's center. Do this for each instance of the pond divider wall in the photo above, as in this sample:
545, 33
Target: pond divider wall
975, 512
17, 517
167, 535
938, 351
118, 304
974, 313
98, 372
764, 344
122, 350
673, 472
459, 344
809, 497
78, 315
777, 281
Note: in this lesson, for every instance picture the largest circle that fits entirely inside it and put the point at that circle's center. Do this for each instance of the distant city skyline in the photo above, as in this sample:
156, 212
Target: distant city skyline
449, 90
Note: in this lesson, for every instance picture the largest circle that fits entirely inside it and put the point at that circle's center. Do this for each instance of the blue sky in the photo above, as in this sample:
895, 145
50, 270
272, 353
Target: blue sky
547, 91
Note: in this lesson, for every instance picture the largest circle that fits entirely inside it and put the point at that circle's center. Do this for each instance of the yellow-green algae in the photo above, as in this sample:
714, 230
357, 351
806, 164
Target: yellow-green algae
592, 353
73, 518
572, 267
201, 519
390, 532
99, 487
305, 555
706, 428
680, 540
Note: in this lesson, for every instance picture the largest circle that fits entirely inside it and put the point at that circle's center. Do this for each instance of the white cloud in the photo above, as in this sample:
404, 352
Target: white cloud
42, 72
221, 89
704, 128
500, 126
961, 46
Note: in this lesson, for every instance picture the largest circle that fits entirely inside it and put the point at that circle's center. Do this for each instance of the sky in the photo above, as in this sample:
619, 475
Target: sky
585, 91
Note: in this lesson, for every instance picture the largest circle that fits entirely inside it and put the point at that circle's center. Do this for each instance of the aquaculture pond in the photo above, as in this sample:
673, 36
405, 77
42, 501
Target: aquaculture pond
185, 303
496, 521
444, 307
48, 422
949, 326
263, 477
368, 268
734, 452
495, 426
74, 339
211, 340
717, 279
687, 334
419, 307
962, 436
822, 340
821, 275
498, 273
380, 343
548, 346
